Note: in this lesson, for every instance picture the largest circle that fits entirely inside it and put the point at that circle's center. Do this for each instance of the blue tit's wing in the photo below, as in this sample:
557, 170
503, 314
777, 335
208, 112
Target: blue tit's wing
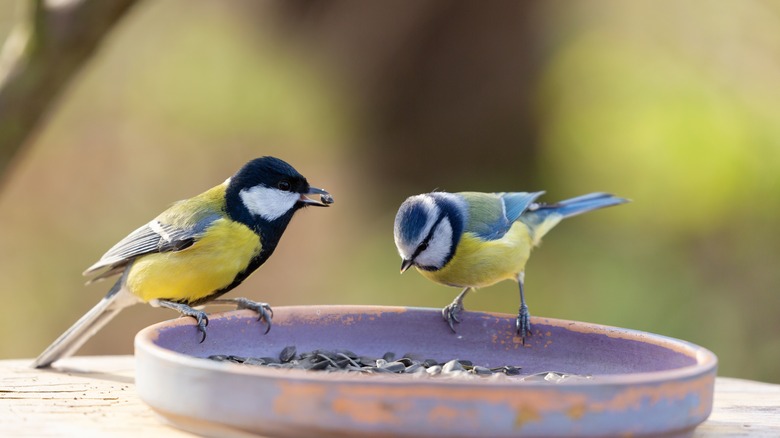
155, 236
517, 203
490, 215
485, 215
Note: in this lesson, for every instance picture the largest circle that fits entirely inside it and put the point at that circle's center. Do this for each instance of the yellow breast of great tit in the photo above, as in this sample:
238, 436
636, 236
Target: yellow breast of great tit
480, 263
209, 265
223, 250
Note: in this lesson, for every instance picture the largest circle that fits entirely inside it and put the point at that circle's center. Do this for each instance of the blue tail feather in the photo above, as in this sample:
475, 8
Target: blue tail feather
584, 203
540, 218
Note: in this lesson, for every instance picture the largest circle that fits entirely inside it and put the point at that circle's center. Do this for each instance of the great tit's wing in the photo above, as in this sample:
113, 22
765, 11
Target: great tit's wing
155, 236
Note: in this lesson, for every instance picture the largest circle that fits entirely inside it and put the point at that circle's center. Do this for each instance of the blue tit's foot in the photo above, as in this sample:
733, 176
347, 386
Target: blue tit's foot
201, 318
451, 313
264, 311
523, 323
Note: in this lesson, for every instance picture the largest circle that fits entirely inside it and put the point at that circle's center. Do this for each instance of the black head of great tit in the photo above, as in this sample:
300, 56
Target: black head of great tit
265, 194
198, 249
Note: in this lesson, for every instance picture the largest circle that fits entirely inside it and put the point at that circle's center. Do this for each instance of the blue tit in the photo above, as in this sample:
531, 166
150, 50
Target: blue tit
197, 250
471, 240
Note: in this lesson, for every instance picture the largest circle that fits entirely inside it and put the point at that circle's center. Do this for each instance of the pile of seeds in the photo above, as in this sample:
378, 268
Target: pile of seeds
347, 361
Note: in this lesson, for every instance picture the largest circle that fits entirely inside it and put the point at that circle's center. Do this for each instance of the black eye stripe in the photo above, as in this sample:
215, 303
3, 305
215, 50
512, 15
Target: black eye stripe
424, 244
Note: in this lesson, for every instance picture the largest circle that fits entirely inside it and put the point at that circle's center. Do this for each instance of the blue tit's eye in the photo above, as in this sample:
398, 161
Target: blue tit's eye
423, 246
283, 185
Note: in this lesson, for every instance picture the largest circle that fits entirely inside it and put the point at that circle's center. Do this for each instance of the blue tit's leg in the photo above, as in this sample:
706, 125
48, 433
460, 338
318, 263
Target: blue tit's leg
264, 311
200, 316
451, 313
523, 322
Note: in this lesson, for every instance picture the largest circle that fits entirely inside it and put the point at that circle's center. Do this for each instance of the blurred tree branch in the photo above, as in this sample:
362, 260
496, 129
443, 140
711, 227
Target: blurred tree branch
51, 42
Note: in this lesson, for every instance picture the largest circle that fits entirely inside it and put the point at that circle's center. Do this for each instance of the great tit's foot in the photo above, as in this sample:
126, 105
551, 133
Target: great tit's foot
201, 318
451, 313
202, 321
264, 311
523, 323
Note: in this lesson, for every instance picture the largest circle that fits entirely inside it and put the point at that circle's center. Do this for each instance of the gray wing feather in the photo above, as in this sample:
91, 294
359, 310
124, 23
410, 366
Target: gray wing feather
150, 238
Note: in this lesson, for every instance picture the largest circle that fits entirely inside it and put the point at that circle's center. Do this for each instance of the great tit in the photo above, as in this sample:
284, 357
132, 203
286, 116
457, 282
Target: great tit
471, 240
197, 250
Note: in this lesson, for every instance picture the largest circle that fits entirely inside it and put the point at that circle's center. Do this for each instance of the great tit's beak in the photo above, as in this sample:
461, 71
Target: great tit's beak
324, 201
406, 264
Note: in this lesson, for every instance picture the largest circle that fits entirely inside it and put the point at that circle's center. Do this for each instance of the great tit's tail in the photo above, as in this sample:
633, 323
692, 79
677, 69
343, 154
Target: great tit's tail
541, 218
117, 299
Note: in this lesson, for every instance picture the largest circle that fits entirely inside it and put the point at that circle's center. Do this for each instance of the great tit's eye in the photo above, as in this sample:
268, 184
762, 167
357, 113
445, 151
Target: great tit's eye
283, 185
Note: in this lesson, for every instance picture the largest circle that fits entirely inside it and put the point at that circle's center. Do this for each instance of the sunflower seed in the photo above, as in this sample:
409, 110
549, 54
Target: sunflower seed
342, 360
287, 354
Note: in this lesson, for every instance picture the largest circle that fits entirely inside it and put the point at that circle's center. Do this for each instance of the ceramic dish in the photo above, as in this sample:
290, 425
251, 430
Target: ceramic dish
640, 383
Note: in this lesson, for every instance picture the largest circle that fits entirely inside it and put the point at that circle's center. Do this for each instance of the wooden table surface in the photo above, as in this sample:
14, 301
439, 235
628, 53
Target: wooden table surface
95, 396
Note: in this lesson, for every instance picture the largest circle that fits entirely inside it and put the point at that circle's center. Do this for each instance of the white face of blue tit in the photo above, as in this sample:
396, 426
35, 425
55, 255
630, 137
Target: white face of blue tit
267, 202
423, 233
437, 250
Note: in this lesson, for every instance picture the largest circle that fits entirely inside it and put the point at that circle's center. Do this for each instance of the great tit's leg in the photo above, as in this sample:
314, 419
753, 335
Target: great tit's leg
451, 313
264, 311
523, 322
200, 316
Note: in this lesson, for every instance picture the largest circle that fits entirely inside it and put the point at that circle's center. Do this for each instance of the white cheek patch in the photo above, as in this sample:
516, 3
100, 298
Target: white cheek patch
405, 247
268, 203
438, 247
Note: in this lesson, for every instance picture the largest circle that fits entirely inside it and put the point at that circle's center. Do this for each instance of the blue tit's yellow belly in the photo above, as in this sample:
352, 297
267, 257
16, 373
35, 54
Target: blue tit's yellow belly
479, 263
207, 266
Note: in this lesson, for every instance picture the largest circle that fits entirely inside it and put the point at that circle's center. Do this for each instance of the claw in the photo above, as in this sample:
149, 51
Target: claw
264, 311
201, 318
523, 322
451, 314
447, 315
265, 314
202, 322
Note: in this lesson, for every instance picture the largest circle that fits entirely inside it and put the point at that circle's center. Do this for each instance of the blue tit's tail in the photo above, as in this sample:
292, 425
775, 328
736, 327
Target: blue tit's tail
541, 218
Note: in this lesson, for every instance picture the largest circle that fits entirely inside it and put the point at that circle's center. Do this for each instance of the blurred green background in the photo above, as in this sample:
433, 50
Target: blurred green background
675, 105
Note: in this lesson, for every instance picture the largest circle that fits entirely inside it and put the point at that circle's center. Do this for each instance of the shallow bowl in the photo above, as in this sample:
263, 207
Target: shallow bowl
640, 383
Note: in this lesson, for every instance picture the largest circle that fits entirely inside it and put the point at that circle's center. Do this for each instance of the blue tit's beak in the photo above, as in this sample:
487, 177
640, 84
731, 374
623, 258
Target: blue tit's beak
406, 264
325, 198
